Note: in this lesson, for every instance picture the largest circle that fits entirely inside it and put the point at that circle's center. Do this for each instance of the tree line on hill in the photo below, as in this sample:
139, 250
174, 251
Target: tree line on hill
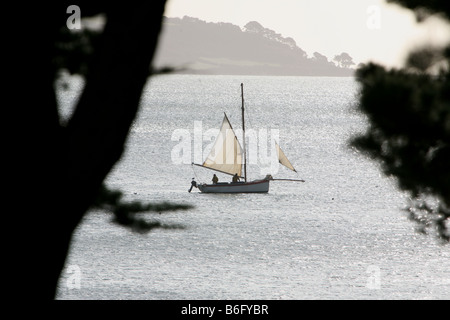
196, 46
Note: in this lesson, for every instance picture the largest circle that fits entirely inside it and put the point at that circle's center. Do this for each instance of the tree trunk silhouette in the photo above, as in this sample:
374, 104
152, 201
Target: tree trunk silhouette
63, 167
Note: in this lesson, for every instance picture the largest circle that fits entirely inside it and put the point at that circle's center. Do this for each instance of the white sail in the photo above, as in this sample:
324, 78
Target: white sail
226, 154
283, 159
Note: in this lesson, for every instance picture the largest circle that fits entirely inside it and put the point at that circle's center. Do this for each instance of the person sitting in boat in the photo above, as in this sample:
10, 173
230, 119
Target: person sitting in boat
215, 179
235, 178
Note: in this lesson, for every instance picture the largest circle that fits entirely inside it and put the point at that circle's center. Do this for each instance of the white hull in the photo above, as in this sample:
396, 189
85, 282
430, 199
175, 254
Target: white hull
257, 186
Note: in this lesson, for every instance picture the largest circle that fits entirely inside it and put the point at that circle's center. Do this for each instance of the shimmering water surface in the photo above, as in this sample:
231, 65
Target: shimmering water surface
340, 235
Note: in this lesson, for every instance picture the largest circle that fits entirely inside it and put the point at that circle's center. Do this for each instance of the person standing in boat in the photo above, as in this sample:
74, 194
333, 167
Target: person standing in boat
215, 179
235, 178
193, 184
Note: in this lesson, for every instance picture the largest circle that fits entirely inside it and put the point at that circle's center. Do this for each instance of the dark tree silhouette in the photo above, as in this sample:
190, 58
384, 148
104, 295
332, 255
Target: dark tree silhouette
409, 132
58, 170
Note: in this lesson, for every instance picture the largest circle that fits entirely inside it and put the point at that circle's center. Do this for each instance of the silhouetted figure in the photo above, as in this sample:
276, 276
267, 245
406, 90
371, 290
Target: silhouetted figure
215, 179
235, 178
193, 184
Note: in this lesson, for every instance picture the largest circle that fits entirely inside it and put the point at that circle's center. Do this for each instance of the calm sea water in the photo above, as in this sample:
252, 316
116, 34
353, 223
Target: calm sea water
340, 235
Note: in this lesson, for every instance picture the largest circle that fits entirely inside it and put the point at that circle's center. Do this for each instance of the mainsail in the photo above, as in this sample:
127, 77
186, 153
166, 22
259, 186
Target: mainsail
226, 154
283, 159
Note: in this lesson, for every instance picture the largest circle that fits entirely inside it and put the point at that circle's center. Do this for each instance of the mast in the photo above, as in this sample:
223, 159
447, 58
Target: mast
243, 134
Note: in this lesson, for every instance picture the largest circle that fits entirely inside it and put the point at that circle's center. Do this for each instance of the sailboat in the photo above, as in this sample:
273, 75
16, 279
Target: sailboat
227, 156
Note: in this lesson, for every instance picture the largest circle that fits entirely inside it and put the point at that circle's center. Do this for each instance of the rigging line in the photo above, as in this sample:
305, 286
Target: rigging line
248, 115
195, 173
249, 125
248, 121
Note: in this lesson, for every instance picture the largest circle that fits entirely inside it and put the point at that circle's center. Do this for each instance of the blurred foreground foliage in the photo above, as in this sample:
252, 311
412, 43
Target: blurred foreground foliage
409, 125
129, 214
74, 52
65, 162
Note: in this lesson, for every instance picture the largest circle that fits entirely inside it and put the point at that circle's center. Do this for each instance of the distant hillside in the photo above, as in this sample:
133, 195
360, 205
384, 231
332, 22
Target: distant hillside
223, 48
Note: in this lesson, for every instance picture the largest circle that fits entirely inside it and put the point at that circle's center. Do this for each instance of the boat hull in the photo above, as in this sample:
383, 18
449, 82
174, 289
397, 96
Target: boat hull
257, 186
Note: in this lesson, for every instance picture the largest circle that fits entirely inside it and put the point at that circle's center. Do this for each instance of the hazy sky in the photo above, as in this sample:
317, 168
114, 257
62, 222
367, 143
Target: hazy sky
366, 29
